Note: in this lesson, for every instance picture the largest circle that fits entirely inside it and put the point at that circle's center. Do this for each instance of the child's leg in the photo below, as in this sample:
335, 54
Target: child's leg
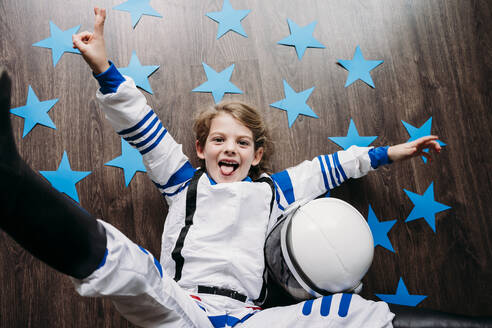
139, 287
104, 262
43, 221
338, 310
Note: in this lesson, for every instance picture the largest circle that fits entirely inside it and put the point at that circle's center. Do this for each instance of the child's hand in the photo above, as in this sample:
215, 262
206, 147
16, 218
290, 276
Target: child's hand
414, 148
91, 45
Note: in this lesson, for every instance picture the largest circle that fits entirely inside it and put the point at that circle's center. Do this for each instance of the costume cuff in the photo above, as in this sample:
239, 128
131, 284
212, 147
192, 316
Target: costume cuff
109, 80
379, 156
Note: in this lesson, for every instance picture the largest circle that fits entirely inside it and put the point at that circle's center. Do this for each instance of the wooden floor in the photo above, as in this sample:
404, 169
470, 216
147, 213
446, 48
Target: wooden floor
437, 63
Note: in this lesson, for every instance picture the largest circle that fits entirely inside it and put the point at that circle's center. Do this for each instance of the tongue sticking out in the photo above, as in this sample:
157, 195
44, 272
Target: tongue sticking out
226, 169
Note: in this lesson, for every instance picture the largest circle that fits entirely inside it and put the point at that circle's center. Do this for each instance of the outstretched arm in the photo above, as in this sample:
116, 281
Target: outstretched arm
127, 111
414, 148
92, 45
313, 178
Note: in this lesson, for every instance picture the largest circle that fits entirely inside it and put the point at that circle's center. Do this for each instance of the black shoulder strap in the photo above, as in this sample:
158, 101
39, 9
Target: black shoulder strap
270, 183
263, 294
190, 212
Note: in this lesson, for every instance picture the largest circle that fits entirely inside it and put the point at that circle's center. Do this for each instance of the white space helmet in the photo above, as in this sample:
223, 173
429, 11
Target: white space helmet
319, 248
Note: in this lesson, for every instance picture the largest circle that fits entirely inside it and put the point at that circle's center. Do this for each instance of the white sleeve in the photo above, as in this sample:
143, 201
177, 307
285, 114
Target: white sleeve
132, 118
311, 179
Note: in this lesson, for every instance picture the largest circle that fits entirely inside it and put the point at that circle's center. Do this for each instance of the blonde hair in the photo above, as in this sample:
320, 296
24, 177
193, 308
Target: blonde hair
250, 118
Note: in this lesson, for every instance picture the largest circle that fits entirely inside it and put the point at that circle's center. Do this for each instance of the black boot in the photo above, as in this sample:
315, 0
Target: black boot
48, 224
411, 317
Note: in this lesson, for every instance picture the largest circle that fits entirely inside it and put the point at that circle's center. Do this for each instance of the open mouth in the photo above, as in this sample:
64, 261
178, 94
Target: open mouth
228, 167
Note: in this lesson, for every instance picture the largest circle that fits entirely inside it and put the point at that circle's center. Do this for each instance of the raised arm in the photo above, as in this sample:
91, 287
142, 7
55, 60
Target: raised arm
127, 110
311, 179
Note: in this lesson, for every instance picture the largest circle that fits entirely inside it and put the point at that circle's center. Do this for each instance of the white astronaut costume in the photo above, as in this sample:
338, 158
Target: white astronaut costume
217, 239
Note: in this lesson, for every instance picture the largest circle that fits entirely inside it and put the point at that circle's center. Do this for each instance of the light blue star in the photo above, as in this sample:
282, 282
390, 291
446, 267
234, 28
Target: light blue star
35, 112
130, 161
402, 297
137, 8
295, 103
380, 230
359, 68
139, 73
423, 131
229, 19
218, 83
425, 206
64, 179
301, 38
59, 42
353, 138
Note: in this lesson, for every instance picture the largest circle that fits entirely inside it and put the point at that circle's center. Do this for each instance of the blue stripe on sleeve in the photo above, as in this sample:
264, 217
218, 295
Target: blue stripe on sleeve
327, 160
143, 132
325, 305
150, 137
379, 156
325, 178
283, 180
339, 166
184, 173
177, 191
109, 80
146, 150
307, 307
344, 305
337, 174
138, 125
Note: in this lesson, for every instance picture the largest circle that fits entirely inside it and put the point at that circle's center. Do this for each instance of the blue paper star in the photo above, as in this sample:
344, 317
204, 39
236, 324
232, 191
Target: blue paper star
137, 8
218, 83
295, 103
425, 206
139, 73
359, 68
35, 112
402, 297
380, 230
130, 161
353, 138
423, 131
301, 38
64, 179
59, 42
229, 19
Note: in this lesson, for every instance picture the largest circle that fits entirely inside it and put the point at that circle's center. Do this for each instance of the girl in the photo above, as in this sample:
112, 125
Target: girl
219, 215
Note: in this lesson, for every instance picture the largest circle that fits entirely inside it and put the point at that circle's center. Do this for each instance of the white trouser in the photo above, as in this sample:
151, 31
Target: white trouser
145, 295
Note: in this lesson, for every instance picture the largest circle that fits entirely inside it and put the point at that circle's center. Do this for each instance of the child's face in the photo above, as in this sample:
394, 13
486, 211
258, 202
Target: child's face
229, 150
